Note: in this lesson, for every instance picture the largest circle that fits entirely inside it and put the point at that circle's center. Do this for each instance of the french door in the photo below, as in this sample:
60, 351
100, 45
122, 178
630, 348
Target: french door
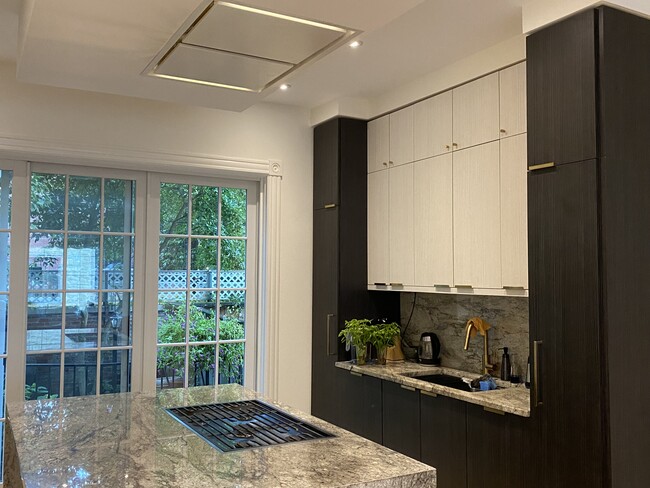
125, 281
201, 236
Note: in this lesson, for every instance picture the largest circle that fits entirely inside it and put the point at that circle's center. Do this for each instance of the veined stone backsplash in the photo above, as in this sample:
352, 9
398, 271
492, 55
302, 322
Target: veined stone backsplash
447, 316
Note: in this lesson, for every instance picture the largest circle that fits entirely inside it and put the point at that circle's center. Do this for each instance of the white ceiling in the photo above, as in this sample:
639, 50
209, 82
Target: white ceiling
105, 46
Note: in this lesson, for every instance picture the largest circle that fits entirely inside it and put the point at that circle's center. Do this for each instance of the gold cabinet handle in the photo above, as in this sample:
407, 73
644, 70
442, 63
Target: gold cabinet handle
428, 393
409, 388
536, 345
503, 131
447, 147
536, 167
510, 287
494, 410
454, 144
385, 164
441, 286
390, 162
330, 205
397, 284
378, 283
463, 286
354, 373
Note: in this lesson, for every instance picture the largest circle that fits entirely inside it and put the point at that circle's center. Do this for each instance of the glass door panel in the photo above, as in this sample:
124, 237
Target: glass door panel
80, 285
201, 285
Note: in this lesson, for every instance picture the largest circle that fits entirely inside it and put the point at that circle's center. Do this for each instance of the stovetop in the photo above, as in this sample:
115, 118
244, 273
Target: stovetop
245, 424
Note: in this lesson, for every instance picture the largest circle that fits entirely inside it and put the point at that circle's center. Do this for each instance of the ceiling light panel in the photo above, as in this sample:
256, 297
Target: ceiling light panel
218, 68
237, 29
244, 48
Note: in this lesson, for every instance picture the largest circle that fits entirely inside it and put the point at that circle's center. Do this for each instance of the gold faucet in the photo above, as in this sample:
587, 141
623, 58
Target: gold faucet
479, 325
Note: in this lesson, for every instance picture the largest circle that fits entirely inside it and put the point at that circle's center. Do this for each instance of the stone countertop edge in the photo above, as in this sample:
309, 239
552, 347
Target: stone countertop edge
129, 439
513, 399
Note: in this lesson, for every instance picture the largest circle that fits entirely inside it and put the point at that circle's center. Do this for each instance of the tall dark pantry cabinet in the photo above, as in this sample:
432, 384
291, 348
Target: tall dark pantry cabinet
589, 250
340, 276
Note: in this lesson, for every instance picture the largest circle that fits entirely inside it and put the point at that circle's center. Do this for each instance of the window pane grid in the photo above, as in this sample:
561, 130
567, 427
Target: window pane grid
201, 322
103, 328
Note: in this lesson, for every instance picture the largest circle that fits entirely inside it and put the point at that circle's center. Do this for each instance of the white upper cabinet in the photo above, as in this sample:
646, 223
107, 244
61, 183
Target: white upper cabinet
433, 222
477, 228
512, 100
378, 228
378, 141
514, 241
401, 137
400, 220
432, 126
476, 112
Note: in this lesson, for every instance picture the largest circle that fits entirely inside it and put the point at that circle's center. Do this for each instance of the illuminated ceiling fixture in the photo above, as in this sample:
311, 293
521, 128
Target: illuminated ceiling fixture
285, 86
355, 44
227, 45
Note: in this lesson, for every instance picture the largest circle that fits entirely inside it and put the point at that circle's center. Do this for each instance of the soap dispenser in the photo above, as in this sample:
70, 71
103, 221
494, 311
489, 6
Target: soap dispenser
505, 365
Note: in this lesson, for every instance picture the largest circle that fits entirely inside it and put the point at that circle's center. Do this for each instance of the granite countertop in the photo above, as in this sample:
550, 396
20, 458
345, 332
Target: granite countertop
514, 399
129, 440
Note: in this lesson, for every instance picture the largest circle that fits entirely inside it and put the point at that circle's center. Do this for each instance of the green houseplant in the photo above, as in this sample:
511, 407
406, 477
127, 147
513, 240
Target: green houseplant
382, 337
358, 332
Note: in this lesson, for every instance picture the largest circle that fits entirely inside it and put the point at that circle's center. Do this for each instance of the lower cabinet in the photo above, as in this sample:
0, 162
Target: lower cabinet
443, 440
359, 404
401, 419
496, 447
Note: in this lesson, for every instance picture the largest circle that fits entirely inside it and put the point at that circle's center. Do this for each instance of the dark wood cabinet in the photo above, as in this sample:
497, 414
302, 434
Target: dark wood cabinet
443, 442
565, 323
561, 79
359, 400
498, 450
589, 257
326, 171
401, 419
340, 263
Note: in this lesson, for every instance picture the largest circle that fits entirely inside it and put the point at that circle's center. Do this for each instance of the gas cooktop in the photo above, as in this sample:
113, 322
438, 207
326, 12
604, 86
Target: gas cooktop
245, 424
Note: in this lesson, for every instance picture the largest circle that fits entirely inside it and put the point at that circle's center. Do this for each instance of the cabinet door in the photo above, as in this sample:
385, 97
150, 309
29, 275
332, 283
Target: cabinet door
443, 438
324, 312
512, 100
378, 140
561, 79
378, 227
433, 234
476, 112
514, 231
401, 137
477, 229
326, 164
401, 419
432, 126
563, 238
401, 225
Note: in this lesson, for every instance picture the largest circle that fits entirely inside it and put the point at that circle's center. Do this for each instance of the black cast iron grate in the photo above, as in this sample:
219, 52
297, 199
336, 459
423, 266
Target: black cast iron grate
242, 425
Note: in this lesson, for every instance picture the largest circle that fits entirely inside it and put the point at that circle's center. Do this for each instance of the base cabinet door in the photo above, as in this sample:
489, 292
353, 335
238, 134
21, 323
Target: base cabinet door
442, 438
401, 419
359, 404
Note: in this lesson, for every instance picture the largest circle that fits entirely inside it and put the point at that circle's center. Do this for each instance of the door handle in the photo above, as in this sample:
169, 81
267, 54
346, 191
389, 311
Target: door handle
537, 399
329, 336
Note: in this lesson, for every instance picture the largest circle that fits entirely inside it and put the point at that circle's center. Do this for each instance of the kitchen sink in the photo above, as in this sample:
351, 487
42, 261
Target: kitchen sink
446, 380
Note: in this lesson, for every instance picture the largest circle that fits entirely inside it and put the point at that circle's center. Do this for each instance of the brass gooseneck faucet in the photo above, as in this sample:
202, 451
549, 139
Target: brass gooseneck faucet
475, 325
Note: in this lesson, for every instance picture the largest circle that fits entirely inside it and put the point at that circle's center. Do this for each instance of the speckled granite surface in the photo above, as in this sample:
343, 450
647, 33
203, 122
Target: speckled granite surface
128, 440
511, 399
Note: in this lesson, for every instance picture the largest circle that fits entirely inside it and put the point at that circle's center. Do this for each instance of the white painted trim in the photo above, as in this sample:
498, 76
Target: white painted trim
52, 151
269, 286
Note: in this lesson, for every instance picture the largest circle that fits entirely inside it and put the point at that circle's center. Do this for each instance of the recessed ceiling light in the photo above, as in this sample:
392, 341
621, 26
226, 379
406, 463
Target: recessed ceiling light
355, 44
285, 86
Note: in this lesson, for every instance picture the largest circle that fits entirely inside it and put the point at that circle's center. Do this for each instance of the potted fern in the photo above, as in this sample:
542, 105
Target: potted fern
383, 336
358, 332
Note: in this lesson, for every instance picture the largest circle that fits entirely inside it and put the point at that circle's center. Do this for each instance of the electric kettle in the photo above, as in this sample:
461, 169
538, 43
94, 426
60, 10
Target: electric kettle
429, 350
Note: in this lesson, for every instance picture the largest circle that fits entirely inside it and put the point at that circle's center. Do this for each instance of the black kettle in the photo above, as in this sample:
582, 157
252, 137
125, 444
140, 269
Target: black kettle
429, 350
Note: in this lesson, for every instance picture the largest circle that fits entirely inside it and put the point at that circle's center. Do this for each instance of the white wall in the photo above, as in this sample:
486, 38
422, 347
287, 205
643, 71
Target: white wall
262, 132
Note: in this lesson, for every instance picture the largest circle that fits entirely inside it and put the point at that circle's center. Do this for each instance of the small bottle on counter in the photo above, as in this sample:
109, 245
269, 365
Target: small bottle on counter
505, 365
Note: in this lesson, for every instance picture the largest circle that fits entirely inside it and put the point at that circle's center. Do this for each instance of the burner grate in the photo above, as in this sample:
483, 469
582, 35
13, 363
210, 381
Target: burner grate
246, 424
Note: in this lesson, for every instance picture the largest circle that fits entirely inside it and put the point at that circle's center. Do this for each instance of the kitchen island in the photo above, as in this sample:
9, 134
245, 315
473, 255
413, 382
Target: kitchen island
130, 440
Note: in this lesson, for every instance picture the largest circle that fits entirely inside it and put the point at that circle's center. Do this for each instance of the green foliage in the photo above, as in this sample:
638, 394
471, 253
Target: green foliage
171, 328
357, 332
383, 334
33, 392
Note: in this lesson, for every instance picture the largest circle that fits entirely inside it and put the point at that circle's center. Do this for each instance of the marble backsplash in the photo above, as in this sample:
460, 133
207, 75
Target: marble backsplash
447, 315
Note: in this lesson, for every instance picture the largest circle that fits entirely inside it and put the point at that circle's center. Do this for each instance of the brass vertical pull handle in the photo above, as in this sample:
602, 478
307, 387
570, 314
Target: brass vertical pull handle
536, 345
329, 339
329, 205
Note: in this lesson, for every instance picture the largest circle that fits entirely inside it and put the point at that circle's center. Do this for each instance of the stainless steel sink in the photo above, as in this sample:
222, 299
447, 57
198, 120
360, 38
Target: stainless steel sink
446, 380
